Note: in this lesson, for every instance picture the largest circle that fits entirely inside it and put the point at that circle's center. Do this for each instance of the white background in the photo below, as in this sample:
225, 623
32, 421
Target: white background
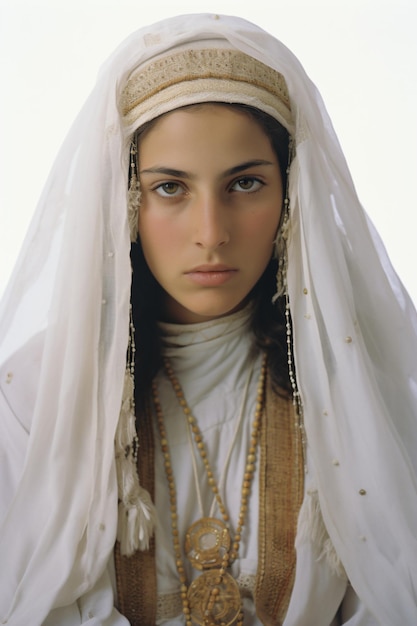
362, 54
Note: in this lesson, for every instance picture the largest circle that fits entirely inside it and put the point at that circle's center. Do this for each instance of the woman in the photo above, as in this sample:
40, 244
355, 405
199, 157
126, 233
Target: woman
254, 281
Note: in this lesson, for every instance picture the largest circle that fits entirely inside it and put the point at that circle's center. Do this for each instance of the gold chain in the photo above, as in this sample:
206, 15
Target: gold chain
199, 600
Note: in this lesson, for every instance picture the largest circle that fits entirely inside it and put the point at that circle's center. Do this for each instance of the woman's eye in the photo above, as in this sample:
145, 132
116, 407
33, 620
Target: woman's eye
168, 189
247, 184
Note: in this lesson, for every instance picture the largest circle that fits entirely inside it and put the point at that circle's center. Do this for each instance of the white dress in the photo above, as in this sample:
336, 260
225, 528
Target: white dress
219, 355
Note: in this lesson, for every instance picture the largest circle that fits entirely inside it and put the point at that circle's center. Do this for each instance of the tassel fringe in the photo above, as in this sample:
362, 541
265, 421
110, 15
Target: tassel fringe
136, 523
311, 528
136, 510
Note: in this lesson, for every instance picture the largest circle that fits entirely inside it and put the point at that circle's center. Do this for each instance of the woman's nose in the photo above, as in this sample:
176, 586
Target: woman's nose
211, 225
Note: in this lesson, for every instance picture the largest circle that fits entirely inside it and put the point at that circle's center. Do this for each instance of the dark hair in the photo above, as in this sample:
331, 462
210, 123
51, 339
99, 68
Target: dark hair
268, 320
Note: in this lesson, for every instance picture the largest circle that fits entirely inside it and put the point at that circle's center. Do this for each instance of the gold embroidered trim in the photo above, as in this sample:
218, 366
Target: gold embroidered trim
281, 486
169, 606
189, 65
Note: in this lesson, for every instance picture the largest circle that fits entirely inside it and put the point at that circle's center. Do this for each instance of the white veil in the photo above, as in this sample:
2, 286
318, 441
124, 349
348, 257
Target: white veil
354, 343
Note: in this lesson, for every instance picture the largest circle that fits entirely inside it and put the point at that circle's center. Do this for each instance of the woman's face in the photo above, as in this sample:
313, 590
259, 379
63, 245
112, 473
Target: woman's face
210, 208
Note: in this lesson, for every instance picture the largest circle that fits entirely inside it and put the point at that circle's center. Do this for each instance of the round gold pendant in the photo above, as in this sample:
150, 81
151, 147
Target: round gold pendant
206, 543
214, 600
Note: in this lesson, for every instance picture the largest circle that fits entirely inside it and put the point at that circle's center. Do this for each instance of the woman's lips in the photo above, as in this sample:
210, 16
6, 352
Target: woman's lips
211, 275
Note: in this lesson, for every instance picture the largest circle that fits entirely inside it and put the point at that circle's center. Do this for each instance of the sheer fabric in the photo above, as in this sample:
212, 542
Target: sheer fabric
354, 343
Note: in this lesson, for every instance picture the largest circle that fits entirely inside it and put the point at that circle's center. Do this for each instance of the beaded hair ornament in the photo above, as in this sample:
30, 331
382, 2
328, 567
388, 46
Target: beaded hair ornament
181, 78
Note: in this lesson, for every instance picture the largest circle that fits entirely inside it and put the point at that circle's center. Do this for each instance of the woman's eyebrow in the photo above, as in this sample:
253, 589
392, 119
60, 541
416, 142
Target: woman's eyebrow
236, 169
245, 166
169, 171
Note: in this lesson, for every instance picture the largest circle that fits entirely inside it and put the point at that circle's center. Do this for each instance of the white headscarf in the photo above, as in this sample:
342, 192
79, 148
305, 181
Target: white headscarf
354, 343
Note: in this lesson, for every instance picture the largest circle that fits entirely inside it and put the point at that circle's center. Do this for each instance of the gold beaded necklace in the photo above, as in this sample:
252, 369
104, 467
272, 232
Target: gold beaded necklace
213, 599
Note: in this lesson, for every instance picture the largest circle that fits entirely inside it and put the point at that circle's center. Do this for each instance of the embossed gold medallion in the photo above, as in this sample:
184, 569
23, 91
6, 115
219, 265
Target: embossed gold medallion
206, 543
214, 599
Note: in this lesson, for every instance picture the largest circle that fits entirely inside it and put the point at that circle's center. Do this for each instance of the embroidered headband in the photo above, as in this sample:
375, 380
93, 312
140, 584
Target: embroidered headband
210, 74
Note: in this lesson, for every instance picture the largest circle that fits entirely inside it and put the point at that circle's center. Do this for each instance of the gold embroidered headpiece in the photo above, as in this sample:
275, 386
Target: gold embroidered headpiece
203, 74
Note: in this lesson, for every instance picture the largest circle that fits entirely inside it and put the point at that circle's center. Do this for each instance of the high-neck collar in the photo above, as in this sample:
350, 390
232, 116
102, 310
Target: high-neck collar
182, 335
203, 354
